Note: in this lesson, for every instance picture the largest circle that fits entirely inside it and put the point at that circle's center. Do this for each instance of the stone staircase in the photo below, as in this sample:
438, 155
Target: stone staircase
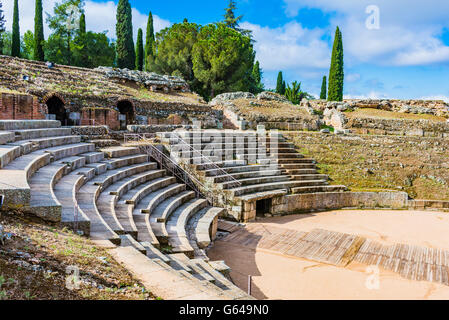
118, 196
243, 167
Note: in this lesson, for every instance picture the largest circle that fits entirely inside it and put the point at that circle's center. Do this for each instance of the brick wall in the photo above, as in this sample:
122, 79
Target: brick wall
20, 107
99, 117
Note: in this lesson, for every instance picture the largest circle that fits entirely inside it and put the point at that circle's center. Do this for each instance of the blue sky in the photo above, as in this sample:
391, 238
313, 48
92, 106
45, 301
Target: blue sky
406, 57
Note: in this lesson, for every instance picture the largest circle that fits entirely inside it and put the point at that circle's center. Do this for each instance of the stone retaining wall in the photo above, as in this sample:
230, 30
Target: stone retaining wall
297, 203
420, 128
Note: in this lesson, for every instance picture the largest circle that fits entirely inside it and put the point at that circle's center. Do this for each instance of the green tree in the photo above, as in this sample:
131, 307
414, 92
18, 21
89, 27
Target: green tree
223, 60
231, 20
174, 52
126, 55
139, 50
2, 27
336, 74
280, 86
323, 93
28, 46
294, 93
97, 51
257, 78
15, 45
38, 51
149, 45
58, 46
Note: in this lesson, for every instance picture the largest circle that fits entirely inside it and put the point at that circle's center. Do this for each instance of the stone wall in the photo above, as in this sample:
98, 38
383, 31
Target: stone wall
297, 203
419, 128
435, 107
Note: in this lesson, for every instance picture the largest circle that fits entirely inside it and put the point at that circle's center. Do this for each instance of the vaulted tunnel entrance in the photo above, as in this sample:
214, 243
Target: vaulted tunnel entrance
126, 111
57, 111
263, 206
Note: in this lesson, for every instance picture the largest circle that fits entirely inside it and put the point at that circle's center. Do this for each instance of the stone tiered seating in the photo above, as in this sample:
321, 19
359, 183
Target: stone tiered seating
116, 195
244, 167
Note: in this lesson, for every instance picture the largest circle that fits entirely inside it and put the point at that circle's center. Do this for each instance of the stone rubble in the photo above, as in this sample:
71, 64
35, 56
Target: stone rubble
147, 78
224, 97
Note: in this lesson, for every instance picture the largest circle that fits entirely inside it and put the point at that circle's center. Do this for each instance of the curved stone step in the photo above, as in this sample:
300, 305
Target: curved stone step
20, 171
118, 152
65, 191
109, 196
111, 176
164, 210
89, 193
199, 226
32, 145
41, 133
319, 189
237, 169
136, 195
150, 202
253, 181
246, 174
274, 185
116, 163
99, 229
144, 231
177, 222
12, 125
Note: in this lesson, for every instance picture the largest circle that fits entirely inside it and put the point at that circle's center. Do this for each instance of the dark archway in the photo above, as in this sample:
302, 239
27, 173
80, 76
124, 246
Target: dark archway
56, 107
126, 111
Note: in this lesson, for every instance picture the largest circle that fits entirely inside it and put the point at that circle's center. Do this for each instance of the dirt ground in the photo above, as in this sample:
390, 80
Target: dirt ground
280, 277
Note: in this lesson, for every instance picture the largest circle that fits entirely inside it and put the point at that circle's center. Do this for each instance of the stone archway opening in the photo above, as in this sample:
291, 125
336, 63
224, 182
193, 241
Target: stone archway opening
57, 111
126, 113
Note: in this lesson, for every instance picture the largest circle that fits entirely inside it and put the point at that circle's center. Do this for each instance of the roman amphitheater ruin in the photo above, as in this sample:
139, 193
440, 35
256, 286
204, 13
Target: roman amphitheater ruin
194, 197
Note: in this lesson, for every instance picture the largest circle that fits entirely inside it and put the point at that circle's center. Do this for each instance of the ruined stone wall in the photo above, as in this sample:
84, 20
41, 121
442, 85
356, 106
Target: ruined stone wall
419, 128
435, 107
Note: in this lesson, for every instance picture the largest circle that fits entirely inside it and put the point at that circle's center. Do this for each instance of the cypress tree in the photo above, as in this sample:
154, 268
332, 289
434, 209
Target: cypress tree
149, 44
279, 84
83, 24
284, 87
2, 27
15, 42
82, 42
336, 74
323, 94
38, 53
139, 50
126, 55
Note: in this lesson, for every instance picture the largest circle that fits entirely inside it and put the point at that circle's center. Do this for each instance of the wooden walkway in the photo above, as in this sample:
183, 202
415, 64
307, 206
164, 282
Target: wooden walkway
339, 249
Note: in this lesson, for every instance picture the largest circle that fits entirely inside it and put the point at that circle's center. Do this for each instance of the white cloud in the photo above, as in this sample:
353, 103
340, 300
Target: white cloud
437, 97
353, 77
100, 16
290, 47
369, 95
408, 35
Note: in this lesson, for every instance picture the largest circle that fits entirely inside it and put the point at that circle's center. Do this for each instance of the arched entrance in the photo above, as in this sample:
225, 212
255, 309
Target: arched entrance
126, 113
56, 108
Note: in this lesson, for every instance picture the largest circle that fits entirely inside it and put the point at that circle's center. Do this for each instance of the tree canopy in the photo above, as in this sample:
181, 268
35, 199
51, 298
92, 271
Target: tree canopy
223, 59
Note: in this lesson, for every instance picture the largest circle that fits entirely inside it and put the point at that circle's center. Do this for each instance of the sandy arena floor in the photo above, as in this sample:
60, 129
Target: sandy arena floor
280, 277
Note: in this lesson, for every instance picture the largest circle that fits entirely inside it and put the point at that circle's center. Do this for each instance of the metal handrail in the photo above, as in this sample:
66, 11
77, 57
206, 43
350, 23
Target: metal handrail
210, 162
175, 169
